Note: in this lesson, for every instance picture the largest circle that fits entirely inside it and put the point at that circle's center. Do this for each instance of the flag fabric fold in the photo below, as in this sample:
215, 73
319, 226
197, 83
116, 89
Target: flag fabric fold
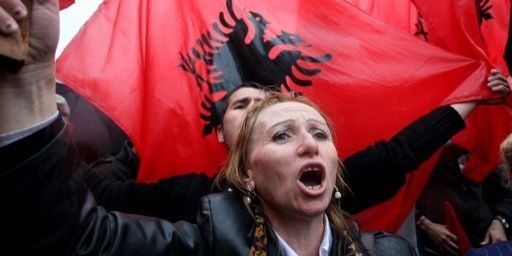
401, 14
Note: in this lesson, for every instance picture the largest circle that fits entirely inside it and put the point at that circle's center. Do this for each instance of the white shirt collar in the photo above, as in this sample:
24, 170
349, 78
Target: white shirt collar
325, 245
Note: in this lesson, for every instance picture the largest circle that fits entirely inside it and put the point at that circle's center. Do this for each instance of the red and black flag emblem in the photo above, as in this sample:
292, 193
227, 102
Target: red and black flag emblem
241, 48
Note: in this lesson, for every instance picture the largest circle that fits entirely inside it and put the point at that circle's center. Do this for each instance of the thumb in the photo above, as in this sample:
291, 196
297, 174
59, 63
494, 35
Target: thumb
486, 239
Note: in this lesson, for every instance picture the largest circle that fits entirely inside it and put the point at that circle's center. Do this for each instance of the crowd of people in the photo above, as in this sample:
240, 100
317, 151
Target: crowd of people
282, 191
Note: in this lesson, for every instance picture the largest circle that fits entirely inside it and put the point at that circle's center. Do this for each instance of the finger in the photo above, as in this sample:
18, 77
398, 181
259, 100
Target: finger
497, 83
486, 240
451, 246
14, 8
501, 89
498, 77
450, 249
7, 24
495, 71
451, 237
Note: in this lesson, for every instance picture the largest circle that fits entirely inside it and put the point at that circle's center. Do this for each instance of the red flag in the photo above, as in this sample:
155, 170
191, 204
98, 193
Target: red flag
454, 226
455, 26
63, 4
401, 14
159, 68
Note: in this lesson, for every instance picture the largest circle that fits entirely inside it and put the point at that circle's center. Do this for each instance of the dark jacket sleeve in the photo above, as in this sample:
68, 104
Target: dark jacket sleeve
115, 233
46, 210
376, 173
175, 198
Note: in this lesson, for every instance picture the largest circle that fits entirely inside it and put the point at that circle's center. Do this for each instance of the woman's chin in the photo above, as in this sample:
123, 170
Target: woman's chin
313, 209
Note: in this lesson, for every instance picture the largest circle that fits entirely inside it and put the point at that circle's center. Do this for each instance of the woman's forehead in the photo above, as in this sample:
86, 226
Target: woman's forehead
289, 111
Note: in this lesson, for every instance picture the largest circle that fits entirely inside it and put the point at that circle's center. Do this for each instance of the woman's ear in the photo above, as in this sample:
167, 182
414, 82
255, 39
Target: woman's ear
248, 180
220, 133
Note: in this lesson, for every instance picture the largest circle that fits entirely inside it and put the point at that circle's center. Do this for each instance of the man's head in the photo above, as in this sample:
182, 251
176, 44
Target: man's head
236, 104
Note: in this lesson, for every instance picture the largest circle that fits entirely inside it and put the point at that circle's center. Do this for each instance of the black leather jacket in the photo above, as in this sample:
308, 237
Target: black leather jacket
223, 228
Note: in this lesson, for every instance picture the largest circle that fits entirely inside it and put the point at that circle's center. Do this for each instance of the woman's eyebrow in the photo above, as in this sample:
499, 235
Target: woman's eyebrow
244, 101
317, 121
286, 121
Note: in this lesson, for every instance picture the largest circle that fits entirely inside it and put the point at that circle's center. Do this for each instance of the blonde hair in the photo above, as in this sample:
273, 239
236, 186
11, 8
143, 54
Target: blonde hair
506, 158
234, 171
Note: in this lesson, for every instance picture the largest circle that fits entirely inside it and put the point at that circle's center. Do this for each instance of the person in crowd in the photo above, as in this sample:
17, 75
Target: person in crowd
122, 166
483, 209
95, 134
500, 248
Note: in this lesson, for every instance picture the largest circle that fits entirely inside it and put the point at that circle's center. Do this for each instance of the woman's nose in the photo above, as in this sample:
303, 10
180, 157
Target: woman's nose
308, 146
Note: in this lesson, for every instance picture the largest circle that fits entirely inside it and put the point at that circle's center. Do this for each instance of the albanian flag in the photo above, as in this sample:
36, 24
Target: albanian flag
476, 29
160, 68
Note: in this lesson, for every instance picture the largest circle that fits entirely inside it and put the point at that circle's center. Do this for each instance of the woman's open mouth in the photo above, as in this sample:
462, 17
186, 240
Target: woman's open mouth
311, 179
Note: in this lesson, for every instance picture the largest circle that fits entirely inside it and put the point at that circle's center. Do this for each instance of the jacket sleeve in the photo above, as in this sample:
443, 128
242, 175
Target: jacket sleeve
115, 233
46, 210
376, 173
175, 198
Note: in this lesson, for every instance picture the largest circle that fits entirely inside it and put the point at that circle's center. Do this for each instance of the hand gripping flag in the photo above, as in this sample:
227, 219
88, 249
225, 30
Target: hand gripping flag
159, 69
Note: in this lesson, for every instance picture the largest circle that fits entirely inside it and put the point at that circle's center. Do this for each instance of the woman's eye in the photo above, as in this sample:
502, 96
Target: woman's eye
239, 106
319, 134
280, 136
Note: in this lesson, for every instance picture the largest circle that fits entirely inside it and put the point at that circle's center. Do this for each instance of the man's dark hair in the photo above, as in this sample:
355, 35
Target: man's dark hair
223, 103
